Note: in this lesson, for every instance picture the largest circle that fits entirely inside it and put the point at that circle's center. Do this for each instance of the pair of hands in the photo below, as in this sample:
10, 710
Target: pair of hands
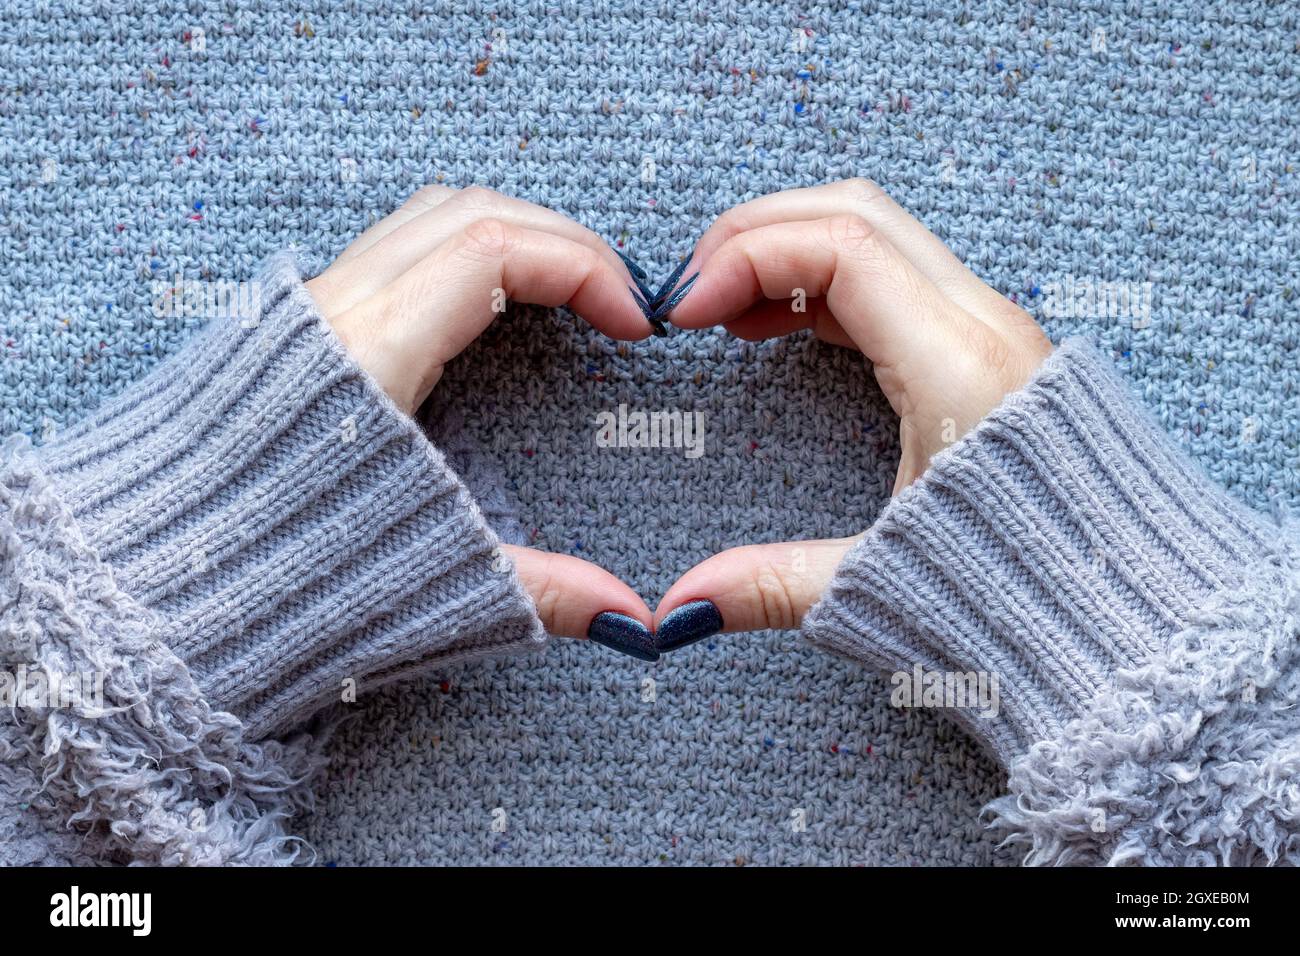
418, 287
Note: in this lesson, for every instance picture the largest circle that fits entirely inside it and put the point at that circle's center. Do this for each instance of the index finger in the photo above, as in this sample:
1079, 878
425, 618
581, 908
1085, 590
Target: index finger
863, 198
430, 218
890, 310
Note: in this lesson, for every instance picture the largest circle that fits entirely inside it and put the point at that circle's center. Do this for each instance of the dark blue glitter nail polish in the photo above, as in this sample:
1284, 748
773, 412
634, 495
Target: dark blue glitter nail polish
656, 325
655, 305
687, 624
637, 272
670, 283
671, 302
622, 633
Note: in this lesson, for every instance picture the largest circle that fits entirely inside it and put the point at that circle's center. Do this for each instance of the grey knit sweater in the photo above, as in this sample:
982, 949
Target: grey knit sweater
255, 532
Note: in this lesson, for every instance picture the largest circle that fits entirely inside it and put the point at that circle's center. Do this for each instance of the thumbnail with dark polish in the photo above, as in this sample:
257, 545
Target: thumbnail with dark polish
687, 624
622, 633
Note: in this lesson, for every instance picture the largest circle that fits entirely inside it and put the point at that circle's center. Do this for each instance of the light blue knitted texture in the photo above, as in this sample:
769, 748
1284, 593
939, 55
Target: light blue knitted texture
1060, 541
291, 526
1159, 152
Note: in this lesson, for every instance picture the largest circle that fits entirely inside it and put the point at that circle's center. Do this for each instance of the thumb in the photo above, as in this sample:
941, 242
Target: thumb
568, 592
760, 585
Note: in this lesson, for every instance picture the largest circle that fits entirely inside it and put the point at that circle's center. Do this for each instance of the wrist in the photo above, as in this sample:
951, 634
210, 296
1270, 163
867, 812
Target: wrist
1061, 540
291, 525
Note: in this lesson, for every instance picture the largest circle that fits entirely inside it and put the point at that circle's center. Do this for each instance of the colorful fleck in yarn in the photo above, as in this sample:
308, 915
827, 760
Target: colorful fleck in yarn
1124, 172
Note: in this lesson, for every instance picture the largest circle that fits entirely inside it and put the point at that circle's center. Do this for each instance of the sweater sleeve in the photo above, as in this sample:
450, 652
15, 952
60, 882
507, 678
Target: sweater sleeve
247, 534
291, 526
1118, 631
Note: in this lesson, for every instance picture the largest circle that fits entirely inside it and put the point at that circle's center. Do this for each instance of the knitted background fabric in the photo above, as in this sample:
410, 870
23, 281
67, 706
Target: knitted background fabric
1124, 173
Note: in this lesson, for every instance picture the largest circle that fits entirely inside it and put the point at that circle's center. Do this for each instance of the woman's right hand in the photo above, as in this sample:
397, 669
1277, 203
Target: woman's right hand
418, 287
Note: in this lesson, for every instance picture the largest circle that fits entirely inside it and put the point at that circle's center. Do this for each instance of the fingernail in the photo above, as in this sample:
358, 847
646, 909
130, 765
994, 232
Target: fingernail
633, 269
622, 633
656, 324
675, 299
670, 283
687, 624
641, 303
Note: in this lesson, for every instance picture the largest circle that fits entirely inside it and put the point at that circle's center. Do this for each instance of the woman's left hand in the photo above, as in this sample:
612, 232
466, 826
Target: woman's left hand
945, 349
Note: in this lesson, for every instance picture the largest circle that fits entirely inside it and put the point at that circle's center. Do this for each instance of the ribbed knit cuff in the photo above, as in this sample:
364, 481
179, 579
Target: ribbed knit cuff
297, 533
1061, 539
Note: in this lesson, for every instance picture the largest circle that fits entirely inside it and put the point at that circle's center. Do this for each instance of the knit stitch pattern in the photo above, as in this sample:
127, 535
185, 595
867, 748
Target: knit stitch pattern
298, 534
1062, 540
1159, 151
1190, 759
146, 771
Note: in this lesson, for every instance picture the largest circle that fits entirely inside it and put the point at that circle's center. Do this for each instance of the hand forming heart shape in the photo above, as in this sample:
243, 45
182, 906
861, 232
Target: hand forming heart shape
842, 259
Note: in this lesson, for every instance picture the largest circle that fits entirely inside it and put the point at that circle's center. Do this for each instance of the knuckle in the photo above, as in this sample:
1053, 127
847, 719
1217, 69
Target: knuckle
731, 223
488, 237
772, 596
863, 191
587, 267
850, 232
989, 352
426, 196
1021, 355
1037, 345
548, 594
1027, 335
548, 601
478, 198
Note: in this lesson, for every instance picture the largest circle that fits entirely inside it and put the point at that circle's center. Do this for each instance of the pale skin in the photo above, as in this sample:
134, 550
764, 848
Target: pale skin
414, 290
